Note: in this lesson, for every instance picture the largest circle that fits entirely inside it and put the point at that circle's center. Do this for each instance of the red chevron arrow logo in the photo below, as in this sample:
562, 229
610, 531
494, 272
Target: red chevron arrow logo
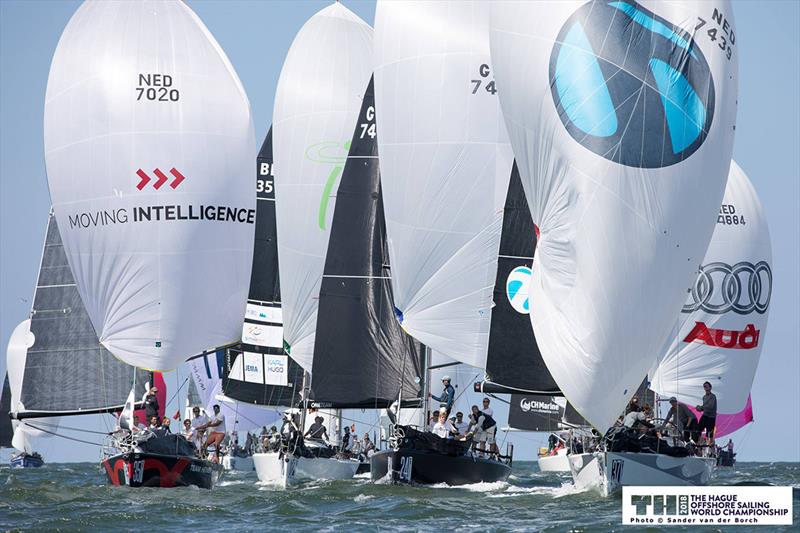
178, 178
145, 179
162, 179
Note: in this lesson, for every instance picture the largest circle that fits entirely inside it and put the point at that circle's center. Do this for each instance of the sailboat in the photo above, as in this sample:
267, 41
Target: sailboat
445, 168
609, 158
316, 107
149, 145
727, 356
54, 356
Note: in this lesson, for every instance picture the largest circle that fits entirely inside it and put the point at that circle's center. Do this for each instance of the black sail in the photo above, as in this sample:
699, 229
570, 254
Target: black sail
6, 430
67, 370
262, 335
514, 363
361, 355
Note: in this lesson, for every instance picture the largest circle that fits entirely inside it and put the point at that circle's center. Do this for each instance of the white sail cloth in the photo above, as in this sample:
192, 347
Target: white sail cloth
723, 321
445, 166
621, 116
317, 101
149, 149
16, 353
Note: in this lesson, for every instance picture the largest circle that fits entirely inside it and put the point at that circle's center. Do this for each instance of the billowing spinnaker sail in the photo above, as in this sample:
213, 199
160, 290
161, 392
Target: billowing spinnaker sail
16, 353
445, 165
621, 116
149, 147
317, 101
723, 321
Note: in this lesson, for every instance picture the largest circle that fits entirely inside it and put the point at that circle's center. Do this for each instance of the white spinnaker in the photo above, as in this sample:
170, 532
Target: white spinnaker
317, 101
622, 126
723, 321
16, 353
137, 91
445, 166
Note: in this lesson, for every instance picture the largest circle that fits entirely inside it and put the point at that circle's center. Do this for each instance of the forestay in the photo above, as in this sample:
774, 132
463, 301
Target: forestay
723, 321
621, 116
445, 165
149, 148
316, 105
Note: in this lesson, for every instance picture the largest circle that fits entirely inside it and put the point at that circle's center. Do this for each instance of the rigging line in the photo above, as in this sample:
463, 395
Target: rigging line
176, 392
58, 426
66, 437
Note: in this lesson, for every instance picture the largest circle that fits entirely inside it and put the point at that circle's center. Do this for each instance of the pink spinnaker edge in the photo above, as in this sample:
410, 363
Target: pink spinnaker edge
728, 423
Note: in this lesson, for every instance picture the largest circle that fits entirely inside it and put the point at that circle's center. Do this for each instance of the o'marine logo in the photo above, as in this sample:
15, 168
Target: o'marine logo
631, 86
517, 289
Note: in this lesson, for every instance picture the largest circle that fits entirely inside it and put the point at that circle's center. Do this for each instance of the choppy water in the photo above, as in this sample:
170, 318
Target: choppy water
75, 497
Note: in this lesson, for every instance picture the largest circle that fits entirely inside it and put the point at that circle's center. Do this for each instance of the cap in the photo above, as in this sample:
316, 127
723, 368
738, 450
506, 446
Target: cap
445, 378
672, 399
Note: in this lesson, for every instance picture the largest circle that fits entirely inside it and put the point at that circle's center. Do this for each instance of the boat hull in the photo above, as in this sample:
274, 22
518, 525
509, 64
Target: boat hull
608, 472
287, 471
26, 461
429, 468
137, 469
554, 463
238, 464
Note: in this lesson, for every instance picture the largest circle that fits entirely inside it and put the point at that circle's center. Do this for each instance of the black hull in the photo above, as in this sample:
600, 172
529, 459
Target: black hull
429, 468
156, 470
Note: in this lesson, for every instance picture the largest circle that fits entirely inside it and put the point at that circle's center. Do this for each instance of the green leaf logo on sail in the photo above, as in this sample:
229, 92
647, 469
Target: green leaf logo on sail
328, 152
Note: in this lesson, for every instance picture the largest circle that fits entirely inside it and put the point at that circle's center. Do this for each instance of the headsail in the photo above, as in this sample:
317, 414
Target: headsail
149, 146
723, 322
445, 165
362, 358
316, 105
622, 122
64, 368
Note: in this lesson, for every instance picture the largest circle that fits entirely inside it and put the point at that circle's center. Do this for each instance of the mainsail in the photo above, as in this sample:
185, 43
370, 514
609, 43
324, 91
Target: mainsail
514, 361
445, 165
362, 358
622, 122
149, 145
256, 370
316, 106
723, 322
65, 370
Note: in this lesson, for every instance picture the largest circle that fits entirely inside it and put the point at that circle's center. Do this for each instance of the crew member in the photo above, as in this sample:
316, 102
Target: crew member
461, 425
199, 422
444, 428
709, 409
217, 431
636, 418
317, 431
448, 396
151, 403
633, 405
682, 417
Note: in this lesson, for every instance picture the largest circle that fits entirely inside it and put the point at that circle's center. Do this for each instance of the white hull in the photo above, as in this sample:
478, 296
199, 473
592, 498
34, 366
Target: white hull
239, 464
273, 469
554, 463
607, 472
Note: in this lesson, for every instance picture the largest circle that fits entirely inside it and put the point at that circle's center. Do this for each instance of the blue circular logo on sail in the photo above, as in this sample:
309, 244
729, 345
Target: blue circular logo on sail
631, 86
517, 289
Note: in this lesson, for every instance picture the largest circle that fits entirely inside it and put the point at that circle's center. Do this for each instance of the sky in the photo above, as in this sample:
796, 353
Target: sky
256, 36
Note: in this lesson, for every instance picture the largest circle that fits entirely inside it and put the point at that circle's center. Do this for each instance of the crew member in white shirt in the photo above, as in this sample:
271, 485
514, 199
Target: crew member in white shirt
216, 426
199, 421
444, 428
462, 426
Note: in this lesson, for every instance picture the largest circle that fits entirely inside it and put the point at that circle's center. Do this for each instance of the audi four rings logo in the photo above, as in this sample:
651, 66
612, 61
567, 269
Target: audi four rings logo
631, 86
741, 288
